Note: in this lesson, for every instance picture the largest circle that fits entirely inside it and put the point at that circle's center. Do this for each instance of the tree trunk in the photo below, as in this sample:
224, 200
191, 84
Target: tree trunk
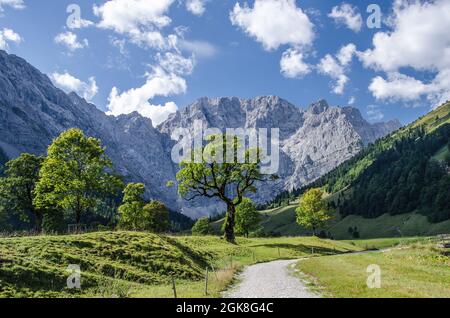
39, 218
78, 216
229, 226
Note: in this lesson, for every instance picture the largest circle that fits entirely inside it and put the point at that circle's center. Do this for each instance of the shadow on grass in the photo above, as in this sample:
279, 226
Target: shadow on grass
198, 258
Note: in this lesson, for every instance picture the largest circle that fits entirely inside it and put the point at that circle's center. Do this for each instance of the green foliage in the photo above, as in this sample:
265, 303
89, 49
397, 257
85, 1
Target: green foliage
155, 217
404, 179
247, 217
3, 160
179, 222
313, 211
210, 173
447, 158
53, 222
76, 175
134, 192
131, 216
131, 210
202, 227
17, 188
136, 215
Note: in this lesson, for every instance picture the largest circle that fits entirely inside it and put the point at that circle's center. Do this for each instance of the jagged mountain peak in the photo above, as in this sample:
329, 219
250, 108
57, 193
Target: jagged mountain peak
318, 107
313, 141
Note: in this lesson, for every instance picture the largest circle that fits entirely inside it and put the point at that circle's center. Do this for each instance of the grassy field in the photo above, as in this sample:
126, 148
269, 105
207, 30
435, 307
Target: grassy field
441, 154
409, 224
419, 270
129, 264
282, 222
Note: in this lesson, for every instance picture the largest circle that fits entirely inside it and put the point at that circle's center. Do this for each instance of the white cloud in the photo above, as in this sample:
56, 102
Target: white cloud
347, 15
141, 20
80, 24
419, 39
15, 4
274, 23
175, 63
374, 113
8, 35
345, 54
196, 7
128, 16
200, 49
120, 44
406, 88
159, 83
336, 67
292, 64
70, 40
352, 100
330, 66
397, 87
69, 84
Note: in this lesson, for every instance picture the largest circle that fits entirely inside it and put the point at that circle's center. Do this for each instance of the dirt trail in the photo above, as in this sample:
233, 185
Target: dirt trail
270, 280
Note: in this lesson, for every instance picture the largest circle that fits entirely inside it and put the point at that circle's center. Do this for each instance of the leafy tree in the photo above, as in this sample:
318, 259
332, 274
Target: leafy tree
17, 188
216, 177
76, 175
247, 217
53, 222
155, 217
137, 215
131, 210
202, 227
313, 212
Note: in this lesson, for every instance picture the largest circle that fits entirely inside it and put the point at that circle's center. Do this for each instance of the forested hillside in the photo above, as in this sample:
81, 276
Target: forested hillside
3, 160
407, 171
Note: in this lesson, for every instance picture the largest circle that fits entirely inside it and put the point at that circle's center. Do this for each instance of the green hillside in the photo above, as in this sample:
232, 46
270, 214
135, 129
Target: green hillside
406, 172
134, 264
397, 186
281, 222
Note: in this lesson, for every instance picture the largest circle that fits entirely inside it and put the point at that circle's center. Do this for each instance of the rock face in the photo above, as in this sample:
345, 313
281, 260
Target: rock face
33, 112
313, 141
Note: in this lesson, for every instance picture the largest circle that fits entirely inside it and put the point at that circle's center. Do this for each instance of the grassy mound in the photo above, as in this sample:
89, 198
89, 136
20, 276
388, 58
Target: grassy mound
121, 264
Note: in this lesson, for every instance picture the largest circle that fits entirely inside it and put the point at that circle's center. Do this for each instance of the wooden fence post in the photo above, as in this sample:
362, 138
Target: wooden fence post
174, 287
206, 282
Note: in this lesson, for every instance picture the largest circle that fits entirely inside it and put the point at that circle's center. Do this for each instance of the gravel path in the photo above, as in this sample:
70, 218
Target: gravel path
270, 280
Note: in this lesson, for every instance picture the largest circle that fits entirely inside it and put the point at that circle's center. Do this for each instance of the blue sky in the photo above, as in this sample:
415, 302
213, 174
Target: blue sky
154, 56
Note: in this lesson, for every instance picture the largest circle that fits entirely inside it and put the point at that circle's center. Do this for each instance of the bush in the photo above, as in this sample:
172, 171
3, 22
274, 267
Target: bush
156, 217
202, 227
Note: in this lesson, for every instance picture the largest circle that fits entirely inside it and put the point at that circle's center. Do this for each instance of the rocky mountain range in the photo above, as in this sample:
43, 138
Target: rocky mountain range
313, 140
